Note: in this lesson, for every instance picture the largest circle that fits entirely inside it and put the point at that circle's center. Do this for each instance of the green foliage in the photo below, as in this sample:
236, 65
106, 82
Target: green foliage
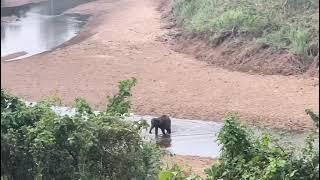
36, 142
294, 38
247, 157
82, 107
234, 138
16, 118
176, 173
120, 104
291, 24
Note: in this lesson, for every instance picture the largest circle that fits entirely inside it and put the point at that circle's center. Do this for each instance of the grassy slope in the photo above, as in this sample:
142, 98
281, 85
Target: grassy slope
292, 25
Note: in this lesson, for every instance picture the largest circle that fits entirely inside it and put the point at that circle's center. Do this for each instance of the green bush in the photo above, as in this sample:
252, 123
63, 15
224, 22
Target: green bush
36, 142
120, 103
244, 156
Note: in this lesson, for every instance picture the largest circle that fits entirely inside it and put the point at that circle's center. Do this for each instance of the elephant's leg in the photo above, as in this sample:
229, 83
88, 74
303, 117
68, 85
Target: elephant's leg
152, 126
156, 130
169, 131
162, 129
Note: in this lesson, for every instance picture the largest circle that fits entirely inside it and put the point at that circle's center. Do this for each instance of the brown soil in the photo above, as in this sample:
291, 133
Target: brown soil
236, 54
124, 42
232, 51
196, 164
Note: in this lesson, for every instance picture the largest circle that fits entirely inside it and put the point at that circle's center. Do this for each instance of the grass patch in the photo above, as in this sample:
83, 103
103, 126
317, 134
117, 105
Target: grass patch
288, 24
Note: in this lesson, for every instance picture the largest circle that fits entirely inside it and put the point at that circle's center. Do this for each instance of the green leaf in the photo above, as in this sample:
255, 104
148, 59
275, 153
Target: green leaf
165, 175
292, 173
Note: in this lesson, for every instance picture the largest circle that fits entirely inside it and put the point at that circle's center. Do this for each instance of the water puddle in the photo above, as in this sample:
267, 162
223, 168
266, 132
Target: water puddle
33, 29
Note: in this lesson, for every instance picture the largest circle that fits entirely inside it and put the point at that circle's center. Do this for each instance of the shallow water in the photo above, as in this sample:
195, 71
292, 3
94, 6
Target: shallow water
34, 31
198, 137
188, 137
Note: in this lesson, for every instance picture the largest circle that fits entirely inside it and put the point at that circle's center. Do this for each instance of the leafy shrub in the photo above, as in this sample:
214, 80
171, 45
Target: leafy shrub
16, 118
120, 103
247, 157
36, 142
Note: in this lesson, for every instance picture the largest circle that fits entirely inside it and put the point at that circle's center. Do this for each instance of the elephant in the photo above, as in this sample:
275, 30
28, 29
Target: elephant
163, 122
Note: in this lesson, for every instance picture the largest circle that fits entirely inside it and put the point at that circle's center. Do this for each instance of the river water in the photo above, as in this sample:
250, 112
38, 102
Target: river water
33, 29
198, 137
188, 137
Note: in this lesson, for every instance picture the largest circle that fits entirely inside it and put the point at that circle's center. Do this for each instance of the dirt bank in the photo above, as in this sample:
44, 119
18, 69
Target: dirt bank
197, 164
124, 42
233, 51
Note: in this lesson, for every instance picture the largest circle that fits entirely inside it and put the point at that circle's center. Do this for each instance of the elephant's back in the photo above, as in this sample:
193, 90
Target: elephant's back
165, 120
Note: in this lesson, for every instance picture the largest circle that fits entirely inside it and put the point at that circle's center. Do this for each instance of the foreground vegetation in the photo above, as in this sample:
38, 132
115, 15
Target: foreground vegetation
244, 156
247, 157
287, 24
36, 143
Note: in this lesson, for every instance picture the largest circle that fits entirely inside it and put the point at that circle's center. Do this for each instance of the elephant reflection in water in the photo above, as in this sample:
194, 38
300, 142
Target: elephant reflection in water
164, 141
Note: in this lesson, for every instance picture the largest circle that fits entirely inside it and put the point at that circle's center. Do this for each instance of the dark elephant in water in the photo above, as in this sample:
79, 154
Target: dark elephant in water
163, 122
